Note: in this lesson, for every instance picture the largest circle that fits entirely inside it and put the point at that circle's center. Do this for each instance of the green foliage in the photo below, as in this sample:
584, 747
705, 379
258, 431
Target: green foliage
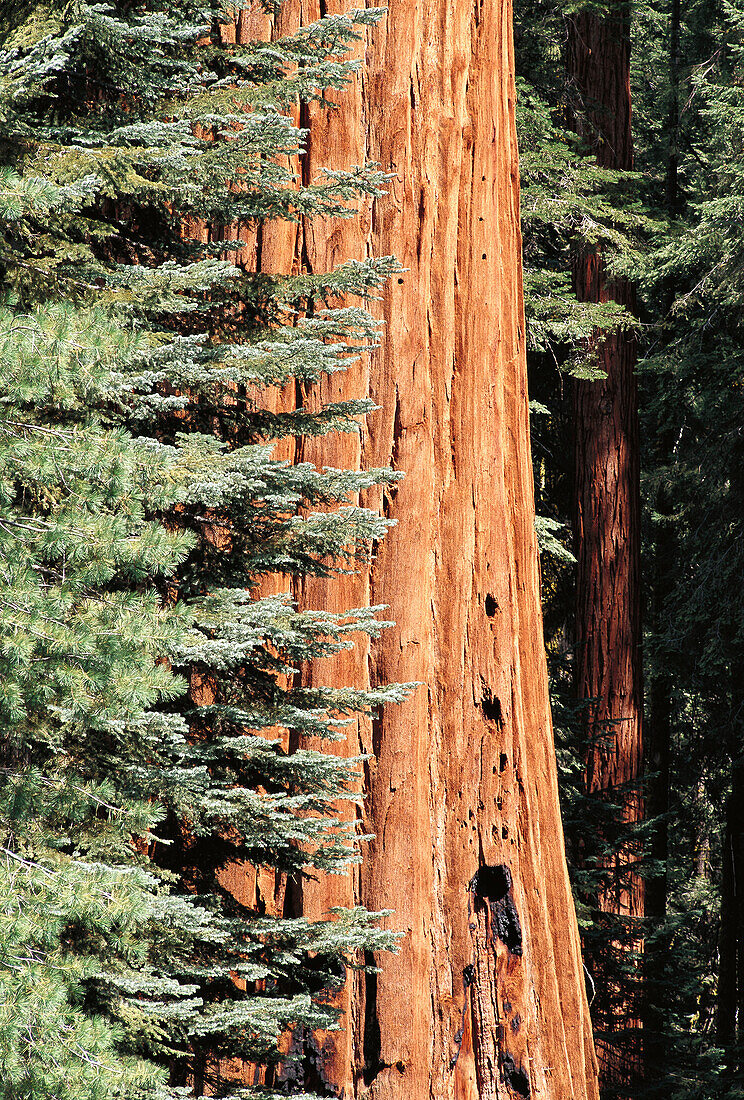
140, 507
567, 203
691, 381
684, 204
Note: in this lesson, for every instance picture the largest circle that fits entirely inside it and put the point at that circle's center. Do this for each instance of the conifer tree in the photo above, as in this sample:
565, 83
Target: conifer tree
142, 505
82, 749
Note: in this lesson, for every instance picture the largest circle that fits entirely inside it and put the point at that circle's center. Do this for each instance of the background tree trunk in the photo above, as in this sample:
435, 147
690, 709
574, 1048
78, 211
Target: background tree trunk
657, 977
607, 531
730, 1022
728, 945
730, 1019
486, 997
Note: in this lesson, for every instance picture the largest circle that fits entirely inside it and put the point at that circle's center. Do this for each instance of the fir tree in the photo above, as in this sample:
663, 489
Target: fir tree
141, 508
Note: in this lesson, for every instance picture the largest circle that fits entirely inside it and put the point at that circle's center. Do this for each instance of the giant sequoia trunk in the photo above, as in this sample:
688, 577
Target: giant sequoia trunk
486, 998
607, 534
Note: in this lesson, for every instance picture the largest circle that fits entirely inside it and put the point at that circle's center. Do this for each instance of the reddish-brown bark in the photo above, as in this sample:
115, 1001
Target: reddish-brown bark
607, 525
486, 998
464, 774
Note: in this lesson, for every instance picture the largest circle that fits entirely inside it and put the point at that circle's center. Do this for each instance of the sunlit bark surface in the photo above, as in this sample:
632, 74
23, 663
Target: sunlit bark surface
486, 997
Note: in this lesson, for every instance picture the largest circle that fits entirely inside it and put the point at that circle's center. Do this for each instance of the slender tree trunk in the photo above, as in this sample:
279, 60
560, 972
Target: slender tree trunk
730, 1029
665, 550
659, 735
656, 973
731, 942
607, 529
727, 970
486, 997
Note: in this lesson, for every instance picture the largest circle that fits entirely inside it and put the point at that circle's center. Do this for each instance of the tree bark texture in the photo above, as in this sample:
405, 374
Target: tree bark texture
486, 997
607, 528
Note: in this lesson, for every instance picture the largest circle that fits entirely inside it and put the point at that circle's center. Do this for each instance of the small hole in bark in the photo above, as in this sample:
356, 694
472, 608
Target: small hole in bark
491, 883
492, 708
514, 1076
491, 605
400, 1066
483, 257
503, 761
400, 282
504, 832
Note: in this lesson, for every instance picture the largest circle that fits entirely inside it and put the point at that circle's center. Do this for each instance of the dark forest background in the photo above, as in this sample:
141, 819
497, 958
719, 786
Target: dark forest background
669, 222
